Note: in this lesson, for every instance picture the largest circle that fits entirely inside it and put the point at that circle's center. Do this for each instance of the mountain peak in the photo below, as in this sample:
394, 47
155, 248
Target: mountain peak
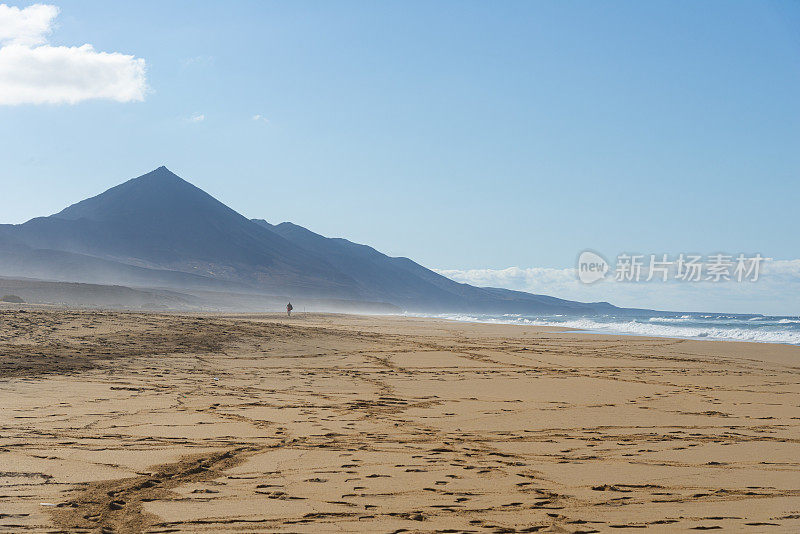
161, 173
158, 191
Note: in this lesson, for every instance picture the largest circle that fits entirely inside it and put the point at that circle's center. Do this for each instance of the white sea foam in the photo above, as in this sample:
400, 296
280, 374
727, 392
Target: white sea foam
681, 319
717, 332
651, 327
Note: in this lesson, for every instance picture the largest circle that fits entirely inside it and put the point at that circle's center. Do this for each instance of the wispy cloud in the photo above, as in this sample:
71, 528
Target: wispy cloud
774, 293
260, 118
197, 117
198, 61
33, 72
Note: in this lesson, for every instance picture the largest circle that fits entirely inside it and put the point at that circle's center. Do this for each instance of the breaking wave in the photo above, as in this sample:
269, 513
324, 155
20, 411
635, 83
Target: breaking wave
761, 329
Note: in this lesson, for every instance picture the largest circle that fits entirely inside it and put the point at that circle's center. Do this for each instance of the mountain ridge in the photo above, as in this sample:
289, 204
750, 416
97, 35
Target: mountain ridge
385, 266
176, 233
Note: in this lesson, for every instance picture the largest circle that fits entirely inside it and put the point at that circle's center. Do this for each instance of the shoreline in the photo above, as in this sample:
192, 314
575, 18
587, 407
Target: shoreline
610, 331
468, 318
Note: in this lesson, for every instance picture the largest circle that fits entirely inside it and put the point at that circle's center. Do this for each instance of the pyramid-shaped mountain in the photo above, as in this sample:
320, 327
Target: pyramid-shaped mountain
159, 229
161, 221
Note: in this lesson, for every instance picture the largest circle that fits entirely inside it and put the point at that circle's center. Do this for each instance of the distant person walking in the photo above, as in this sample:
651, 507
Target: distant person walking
289, 309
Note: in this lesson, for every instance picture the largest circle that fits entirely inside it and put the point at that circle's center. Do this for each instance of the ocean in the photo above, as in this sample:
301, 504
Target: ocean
731, 327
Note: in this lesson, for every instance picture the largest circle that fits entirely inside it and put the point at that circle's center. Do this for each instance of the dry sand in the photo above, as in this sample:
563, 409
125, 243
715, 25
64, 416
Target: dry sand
123, 422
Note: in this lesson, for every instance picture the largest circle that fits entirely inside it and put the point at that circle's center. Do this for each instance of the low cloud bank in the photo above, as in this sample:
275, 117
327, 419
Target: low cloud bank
775, 293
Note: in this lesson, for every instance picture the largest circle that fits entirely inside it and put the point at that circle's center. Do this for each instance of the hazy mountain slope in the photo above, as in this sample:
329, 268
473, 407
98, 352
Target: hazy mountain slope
46, 264
401, 280
376, 273
79, 294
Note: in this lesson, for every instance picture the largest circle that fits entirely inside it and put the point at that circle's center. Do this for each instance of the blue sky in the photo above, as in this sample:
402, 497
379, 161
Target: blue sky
465, 135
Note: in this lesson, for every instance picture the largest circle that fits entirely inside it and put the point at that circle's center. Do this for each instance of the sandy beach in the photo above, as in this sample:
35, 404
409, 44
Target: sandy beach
133, 422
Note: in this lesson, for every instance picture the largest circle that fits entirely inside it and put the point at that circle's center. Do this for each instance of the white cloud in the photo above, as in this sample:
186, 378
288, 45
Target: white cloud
774, 293
197, 117
260, 118
28, 26
33, 72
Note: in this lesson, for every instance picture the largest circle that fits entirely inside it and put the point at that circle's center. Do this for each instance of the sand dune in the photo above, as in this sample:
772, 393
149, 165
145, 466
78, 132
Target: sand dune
129, 422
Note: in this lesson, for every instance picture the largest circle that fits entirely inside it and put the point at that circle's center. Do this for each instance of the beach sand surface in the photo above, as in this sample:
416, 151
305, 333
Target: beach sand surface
138, 422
